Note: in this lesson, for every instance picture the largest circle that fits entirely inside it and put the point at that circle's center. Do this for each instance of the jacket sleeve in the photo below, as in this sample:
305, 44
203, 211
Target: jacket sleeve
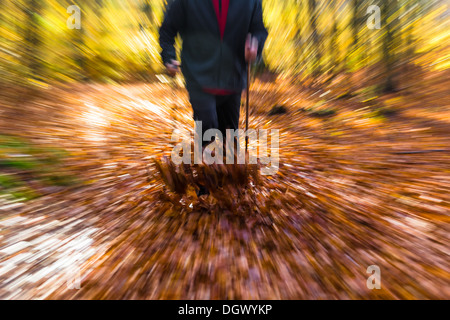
257, 28
174, 20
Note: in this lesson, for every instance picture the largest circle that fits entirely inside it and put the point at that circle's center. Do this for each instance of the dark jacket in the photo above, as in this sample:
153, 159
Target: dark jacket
207, 59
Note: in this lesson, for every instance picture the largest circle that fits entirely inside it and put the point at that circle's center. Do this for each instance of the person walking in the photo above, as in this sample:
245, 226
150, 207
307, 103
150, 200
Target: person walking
219, 38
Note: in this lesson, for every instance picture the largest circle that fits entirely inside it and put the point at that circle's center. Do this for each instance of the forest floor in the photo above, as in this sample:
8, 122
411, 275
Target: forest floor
362, 181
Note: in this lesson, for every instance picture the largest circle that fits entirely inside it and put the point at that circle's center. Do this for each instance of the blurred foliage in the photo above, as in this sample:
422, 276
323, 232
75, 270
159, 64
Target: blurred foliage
25, 169
118, 40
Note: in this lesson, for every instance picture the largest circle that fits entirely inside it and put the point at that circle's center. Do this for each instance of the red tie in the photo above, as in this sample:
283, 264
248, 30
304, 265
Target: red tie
221, 7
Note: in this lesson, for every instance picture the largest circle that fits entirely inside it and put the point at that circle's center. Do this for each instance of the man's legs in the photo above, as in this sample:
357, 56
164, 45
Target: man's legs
228, 108
215, 112
204, 107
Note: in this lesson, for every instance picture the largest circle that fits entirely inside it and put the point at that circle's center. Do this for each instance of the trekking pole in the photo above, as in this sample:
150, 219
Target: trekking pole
247, 107
173, 87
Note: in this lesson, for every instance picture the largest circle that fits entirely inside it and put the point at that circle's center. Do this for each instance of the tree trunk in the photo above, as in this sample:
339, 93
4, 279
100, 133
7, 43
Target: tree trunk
355, 23
32, 39
78, 39
298, 38
316, 38
389, 8
334, 48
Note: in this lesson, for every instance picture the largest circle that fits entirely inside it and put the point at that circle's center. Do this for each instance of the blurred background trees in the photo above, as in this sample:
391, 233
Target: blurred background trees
314, 40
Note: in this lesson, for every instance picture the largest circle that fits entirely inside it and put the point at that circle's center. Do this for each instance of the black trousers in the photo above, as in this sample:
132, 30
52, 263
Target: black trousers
215, 111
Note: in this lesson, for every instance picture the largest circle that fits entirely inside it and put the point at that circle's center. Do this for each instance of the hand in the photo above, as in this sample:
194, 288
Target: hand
251, 48
173, 68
